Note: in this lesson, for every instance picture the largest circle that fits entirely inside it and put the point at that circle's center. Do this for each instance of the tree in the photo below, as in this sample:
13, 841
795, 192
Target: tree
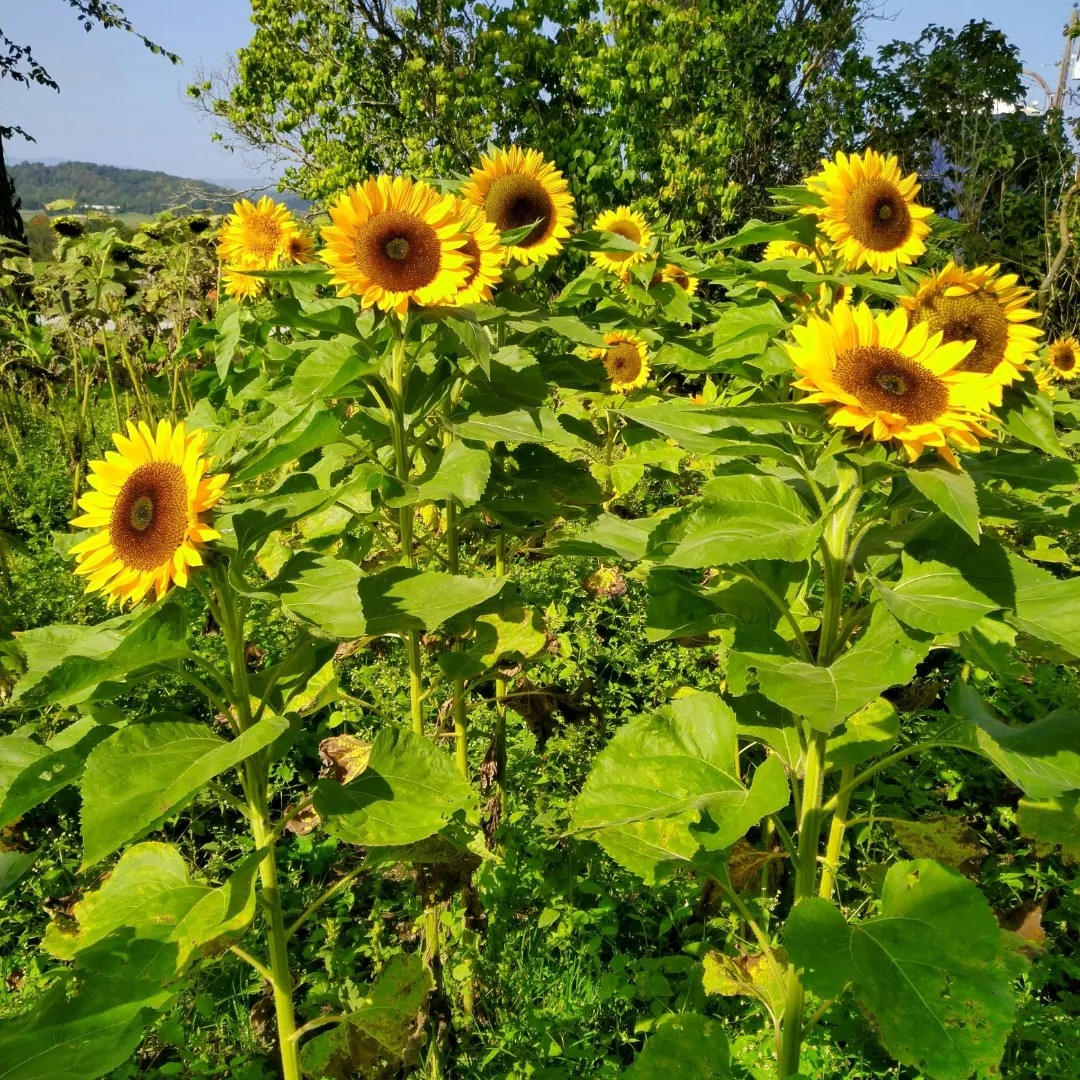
17, 62
690, 108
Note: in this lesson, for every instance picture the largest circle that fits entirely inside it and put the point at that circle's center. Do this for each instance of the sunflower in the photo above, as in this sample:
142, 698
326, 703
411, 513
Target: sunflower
517, 187
301, 249
257, 236
790, 249
978, 306
632, 226
1046, 380
675, 275
870, 212
241, 285
485, 253
145, 508
1063, 358
891, 382
394, 241
625, 360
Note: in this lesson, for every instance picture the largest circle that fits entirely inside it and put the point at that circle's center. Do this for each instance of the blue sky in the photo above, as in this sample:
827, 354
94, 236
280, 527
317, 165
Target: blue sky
121, 105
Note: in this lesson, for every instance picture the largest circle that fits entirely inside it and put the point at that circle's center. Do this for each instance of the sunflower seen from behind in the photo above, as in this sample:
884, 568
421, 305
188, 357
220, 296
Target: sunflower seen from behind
484, 251
625, 359
148, 512
515, 188
869, 212
889, 382
1063, 359
396, 242
632, 226
985, 308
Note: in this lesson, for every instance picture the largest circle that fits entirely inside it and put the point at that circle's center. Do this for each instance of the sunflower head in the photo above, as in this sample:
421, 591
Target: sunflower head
396, 241
985, 308
891, 383
240, 284
675, 275
257, 236
625, 359
632, 226
869, 211
485, 254
147, 511
301, 249
1063, 358
515, 188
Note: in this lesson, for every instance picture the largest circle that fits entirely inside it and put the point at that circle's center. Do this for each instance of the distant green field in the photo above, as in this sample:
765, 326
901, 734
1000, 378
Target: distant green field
132, 220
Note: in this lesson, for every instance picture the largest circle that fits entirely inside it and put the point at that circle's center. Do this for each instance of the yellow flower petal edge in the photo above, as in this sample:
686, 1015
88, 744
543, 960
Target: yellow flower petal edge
147, 507
889, 382
515, 188
986, 308
1063, 358
625, 358
631, 225
257, 236
396, 242
484, 251
674, 274
869, 211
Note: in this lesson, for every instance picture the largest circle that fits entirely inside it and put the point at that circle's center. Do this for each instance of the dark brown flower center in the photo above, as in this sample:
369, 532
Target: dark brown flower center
630, 231
514, 201
150, 518
878, 215
622, 362
883, 380
398, 251
472, 251
976, 317
1062, 356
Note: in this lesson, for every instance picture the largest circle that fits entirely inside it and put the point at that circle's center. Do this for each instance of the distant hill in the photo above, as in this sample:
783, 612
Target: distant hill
119, 191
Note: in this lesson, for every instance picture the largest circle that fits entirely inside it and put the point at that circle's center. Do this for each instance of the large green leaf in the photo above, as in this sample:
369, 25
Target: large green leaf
609, 537
885, 655
951, 491
516, 632
408, 792
688, 1046
334, 598
14, 866
1042, 758
515, 426
1046, 607
1052, 823
373, 1038
150, 893
680, 608
949, 587
738, 518
725, 431
1029, 416
87, 1024
665, 792
929, 970
460, 473
65, 678
31, 773
145, 772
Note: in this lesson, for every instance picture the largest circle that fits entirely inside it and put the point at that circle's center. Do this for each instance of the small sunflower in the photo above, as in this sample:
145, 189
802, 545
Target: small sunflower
241, 285
790, 249
257, 236
145, 508
1046, 380
870, 213
632, 226
485, 254
301, 249
1063, 358
394, 241
517, 187
625, 360
889, 382
978, 306
675, 275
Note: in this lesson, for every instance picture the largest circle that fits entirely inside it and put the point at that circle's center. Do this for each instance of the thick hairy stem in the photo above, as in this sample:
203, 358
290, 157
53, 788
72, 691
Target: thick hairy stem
836, 834
256, 781
500, 698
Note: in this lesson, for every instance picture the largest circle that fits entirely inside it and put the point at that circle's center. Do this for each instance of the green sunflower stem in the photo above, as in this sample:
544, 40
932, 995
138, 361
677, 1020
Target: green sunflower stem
501, 785
255, 778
